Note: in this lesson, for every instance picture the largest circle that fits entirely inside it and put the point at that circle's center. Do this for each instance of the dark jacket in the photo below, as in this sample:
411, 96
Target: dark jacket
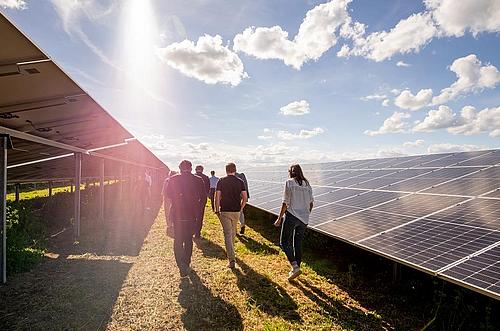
206, 181
187, 194
244, 179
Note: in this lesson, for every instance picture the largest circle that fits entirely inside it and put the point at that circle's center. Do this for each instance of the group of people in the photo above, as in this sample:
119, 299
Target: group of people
186, 194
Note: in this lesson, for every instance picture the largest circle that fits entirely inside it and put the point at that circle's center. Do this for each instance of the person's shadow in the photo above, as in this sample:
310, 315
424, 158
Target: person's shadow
256, 247
204, 311
265, 294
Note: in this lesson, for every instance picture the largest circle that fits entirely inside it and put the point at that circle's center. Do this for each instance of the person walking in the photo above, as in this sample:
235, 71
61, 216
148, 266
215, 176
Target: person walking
186, 193
242, 214
166, 205
230, 199
297, 205
213, 186
206, 183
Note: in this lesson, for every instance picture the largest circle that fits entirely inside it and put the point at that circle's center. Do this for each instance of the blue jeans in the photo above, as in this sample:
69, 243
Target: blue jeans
292, 234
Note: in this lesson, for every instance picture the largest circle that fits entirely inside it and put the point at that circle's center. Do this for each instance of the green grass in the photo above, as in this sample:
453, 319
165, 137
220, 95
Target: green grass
126, 279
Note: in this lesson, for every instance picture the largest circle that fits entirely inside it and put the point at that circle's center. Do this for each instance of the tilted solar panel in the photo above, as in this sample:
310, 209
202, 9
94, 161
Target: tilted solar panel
437, 213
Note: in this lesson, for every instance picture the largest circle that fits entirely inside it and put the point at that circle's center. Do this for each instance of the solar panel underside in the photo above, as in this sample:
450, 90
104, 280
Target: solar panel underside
438, 213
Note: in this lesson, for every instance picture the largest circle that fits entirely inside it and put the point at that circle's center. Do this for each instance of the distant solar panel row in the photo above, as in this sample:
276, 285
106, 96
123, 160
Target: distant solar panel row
438, 213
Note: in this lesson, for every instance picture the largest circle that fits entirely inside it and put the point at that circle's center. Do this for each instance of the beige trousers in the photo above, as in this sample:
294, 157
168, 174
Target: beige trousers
229, 221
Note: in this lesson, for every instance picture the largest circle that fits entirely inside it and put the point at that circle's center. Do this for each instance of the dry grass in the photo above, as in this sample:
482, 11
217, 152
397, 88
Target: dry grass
117, 287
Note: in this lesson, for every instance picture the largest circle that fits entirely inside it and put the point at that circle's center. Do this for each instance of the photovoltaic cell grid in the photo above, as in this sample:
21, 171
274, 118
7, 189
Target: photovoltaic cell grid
438, 213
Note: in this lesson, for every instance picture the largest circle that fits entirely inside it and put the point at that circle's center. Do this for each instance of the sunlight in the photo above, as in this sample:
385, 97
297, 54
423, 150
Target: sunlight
141, 78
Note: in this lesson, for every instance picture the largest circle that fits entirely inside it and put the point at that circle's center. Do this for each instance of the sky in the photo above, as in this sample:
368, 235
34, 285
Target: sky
280, 81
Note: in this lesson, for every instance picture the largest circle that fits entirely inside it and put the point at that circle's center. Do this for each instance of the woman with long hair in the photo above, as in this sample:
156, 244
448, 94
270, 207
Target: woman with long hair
297, 205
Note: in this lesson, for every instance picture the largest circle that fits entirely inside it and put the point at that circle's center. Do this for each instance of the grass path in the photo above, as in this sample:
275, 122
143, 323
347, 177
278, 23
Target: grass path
132, 283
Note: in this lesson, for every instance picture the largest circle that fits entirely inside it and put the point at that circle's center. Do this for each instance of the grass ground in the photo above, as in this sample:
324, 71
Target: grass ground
125, 278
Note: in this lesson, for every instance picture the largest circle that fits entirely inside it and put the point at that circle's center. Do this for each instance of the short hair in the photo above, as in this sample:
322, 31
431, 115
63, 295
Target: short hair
185, 165
199, 166
230, 167
212, 172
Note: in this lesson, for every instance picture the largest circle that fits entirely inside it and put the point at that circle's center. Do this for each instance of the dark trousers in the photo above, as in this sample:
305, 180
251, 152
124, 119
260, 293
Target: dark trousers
211, 195
292, 234
199, 224
183, 242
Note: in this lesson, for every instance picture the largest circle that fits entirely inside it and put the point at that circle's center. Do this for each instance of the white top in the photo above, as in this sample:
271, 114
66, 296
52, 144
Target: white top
298, 199
213, 181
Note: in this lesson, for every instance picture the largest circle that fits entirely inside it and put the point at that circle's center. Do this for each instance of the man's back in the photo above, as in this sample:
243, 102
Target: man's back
206, 181
230, 188
186, 191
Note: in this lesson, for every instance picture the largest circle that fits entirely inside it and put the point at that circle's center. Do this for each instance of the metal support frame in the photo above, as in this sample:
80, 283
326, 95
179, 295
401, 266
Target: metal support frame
101, 192
4, 140
17, 188
78, 180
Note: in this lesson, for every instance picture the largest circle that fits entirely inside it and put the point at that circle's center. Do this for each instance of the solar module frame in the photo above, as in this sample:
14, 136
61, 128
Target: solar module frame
334, 217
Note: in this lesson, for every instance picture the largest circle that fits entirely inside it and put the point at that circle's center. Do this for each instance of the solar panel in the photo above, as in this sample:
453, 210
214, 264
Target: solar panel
437, 213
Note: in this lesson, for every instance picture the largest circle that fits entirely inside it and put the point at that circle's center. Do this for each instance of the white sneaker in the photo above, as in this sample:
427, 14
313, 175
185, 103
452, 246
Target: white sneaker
294, 273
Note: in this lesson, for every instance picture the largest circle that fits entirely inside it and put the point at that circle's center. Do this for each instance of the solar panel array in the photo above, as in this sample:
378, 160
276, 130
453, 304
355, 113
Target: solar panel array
438, 213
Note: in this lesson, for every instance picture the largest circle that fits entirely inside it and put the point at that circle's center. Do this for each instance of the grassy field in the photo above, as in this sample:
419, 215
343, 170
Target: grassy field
125, 278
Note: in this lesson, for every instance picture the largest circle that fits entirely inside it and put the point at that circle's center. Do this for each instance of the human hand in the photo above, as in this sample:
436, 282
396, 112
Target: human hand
277, 223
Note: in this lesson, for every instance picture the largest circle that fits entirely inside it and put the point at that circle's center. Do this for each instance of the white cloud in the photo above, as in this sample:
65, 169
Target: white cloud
416, 143
13, 4
450, 148
207, 60
296, 108
385, 103
394, 124
316, 35
406, 100
303, 134
403, 64
73, 12
473, 122
440, 118
374, 97
454, 18
409, 35
472, 76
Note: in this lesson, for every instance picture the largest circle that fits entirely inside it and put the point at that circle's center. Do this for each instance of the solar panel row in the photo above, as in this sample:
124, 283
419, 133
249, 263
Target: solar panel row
432, 212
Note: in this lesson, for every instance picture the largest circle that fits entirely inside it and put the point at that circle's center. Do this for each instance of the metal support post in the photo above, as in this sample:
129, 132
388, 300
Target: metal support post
396, 272
101, 192
50, 188
78, 181
4, 143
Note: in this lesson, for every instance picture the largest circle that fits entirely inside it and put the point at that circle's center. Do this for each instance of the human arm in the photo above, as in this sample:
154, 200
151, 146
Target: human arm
217, 201
244, 198
278, 221
284, 205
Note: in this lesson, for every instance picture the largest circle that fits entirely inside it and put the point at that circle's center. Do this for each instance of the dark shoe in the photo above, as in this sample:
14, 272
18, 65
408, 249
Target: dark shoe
242, 230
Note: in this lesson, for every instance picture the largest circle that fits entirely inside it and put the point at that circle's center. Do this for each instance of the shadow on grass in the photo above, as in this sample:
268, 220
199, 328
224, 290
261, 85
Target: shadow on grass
257, 247
63, 294
265, 294
204, 311
347, 317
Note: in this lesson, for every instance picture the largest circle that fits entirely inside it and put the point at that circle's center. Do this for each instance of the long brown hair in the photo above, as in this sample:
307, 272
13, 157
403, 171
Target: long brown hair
297, 174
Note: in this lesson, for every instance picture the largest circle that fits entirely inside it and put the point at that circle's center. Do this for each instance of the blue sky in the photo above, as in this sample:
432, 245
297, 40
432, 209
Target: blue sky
286, 81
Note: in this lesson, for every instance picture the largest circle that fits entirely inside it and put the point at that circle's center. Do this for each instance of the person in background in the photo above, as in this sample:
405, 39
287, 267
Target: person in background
213, 185
206, 183
230, 199
242, 214
186, 193
166, 205
297, 205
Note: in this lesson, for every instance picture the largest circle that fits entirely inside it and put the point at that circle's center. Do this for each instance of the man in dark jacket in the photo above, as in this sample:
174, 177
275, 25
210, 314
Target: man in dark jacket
186, 193
206, 183
242, 176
